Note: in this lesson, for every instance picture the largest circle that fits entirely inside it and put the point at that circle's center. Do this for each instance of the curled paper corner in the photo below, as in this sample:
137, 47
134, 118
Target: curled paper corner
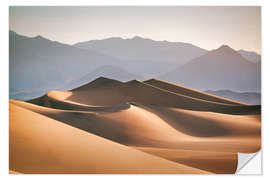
249, 163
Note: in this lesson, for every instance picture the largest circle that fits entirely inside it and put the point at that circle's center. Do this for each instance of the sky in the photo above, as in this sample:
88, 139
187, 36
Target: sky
206, 27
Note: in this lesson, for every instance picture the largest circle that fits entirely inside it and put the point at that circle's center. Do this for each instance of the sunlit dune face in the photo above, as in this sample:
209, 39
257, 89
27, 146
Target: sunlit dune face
62, 95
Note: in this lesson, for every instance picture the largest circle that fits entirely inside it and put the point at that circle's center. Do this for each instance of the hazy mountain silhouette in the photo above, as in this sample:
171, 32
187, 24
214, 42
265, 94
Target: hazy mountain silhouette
251, 56
222, 68
245, 97
139, 48
104, 71
39, 64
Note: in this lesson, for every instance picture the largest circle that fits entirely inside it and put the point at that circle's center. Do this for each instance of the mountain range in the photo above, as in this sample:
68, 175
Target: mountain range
39, 65
251, 56
141, 49
221, 68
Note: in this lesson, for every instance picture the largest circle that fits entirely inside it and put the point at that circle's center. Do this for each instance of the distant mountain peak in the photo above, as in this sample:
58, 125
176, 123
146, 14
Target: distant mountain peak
102, 78
241, 50
39, 37
250, 55
137, 37
225, 48
114, 38
225, 51
133, 82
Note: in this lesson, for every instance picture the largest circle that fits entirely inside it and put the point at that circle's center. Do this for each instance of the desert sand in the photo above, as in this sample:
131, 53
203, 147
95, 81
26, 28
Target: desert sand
108, 126
39, 144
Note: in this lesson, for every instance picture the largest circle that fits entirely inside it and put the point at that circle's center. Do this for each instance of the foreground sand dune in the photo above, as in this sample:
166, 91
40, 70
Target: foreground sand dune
42, 145
131, 126
161, 127
212, 161
158, 122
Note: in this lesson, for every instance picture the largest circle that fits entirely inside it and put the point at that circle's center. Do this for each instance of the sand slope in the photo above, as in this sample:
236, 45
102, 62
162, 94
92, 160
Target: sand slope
134, 125
189, 92
212, 161
42, 145
161, 127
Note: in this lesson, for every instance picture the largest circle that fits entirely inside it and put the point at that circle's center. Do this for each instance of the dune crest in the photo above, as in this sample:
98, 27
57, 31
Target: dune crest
189, 92
99, 91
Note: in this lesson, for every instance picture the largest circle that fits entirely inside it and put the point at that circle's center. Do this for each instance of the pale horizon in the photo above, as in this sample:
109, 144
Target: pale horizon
205, 27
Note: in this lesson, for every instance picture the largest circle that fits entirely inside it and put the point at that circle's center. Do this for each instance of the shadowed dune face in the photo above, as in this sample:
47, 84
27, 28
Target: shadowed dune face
190, 123
189, 92
216, 162
51, 100
182, 127
208, 124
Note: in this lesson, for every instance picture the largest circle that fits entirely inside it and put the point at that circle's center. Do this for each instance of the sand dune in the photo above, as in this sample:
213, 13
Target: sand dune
180, 130
104, 91
161, 127
189, 92
216, 162
131, 126
204, 124
57, 100
42, 145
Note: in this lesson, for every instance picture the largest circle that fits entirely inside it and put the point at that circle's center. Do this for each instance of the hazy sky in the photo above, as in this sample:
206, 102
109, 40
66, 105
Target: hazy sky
207, 27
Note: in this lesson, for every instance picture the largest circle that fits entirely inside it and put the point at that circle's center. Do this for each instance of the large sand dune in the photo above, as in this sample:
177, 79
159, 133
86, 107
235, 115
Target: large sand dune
194, 131
42, 145
106, 92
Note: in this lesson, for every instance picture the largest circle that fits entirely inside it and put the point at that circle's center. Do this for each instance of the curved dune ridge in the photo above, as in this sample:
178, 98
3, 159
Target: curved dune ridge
106, 92
190, 92
200, 132
60, 148
57, 100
